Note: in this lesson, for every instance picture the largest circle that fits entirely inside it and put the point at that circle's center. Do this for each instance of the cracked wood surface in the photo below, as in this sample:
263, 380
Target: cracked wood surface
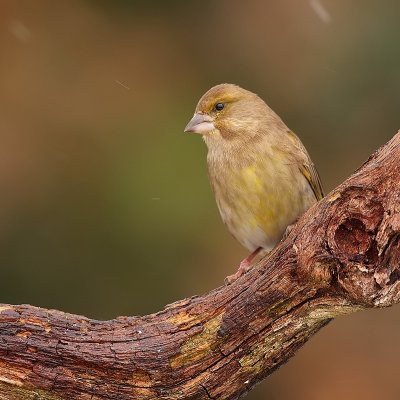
343, 255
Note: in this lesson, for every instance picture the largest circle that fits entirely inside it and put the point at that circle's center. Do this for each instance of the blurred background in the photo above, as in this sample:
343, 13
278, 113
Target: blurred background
105, 206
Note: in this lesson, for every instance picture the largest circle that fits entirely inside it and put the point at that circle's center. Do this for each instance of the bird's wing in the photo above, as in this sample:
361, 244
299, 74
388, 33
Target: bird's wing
307, 167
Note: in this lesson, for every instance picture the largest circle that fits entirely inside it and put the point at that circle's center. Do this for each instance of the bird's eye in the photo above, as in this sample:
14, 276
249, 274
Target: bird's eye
219, 106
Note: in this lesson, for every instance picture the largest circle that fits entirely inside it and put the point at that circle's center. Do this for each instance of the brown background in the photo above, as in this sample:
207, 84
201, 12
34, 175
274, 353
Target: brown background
105, 208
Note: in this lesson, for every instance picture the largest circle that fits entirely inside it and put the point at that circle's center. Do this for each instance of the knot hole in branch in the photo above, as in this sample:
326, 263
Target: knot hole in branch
352, 240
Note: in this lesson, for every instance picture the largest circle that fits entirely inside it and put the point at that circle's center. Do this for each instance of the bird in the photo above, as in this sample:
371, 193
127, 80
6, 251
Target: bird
262, 177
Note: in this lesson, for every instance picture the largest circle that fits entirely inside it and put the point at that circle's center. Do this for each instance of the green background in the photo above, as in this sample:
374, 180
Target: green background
105, 206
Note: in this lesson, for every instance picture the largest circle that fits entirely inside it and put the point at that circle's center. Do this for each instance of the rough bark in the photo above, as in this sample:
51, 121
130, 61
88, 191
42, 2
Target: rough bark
343, 255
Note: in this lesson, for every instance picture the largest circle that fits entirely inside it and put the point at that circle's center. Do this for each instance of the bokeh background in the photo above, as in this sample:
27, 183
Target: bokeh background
105, 207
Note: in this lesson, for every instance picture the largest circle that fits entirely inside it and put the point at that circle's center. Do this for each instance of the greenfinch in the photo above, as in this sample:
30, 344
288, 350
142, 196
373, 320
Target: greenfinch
261, 174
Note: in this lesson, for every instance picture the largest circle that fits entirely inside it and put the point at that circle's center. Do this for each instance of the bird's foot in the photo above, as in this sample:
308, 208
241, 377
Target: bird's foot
244, 266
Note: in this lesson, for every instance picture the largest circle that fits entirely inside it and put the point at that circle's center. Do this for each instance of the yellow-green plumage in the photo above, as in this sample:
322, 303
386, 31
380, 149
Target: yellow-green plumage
262, 176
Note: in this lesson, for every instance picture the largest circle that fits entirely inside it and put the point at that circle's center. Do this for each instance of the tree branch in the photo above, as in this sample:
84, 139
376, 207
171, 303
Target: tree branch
343, 255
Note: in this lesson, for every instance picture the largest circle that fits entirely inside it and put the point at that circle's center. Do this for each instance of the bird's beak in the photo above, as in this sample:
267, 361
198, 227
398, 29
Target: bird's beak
200, 123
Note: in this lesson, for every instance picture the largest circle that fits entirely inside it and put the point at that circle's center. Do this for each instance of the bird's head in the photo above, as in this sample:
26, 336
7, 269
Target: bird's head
229, 113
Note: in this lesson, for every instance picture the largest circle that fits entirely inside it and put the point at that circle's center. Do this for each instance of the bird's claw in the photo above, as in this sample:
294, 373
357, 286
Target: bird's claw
245, 265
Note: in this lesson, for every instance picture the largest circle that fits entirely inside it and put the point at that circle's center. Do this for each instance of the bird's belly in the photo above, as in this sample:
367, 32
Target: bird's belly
257, 212
251, 226
243, 227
